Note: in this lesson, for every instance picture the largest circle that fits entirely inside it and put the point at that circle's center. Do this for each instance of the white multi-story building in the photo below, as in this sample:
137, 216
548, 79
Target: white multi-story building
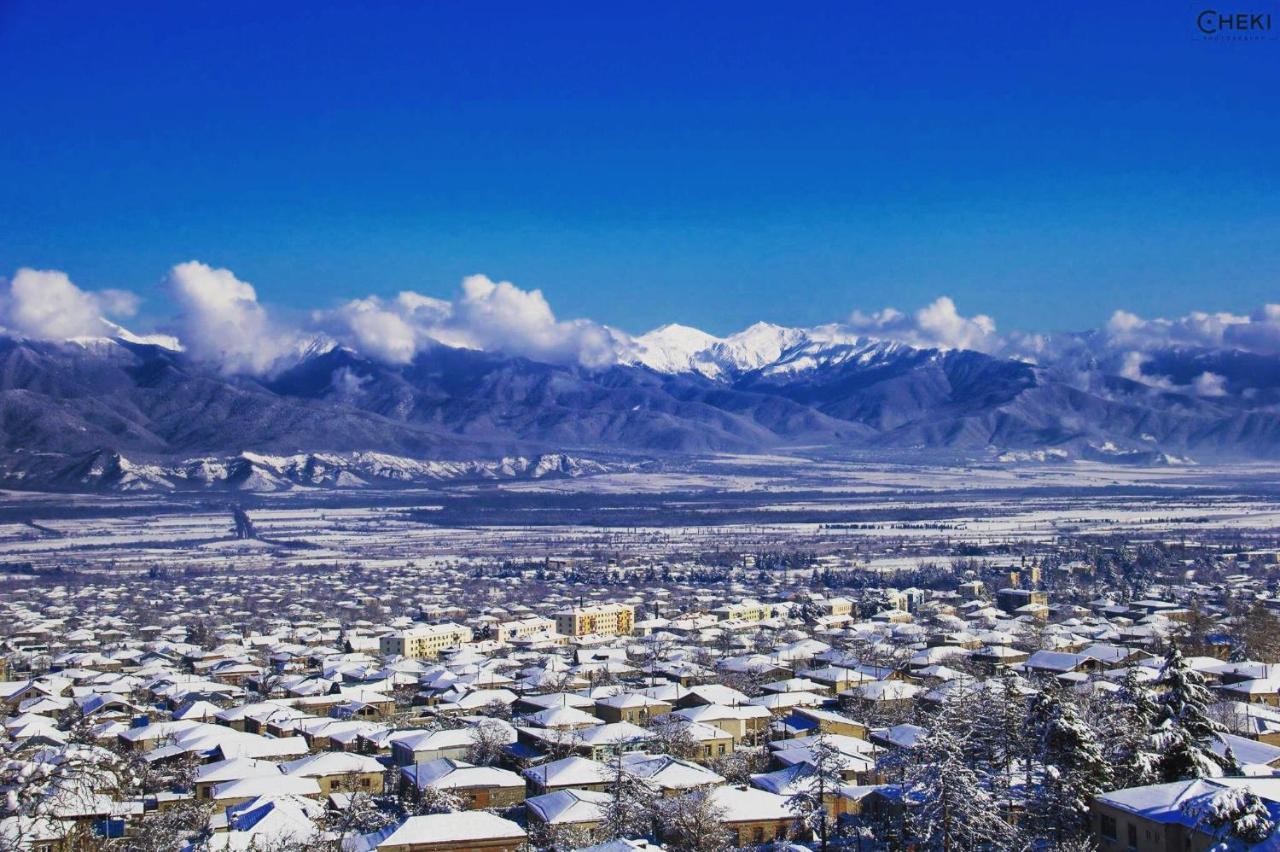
425, 642
601, 620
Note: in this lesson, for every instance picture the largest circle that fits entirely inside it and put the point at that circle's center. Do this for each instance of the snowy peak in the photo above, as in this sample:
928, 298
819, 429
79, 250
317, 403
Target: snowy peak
164, 341
680, 349
673, 349
312, 346
758, 346
764, 347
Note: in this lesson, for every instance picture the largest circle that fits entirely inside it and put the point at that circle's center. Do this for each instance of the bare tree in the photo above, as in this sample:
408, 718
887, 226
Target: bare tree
489, 743
693, 822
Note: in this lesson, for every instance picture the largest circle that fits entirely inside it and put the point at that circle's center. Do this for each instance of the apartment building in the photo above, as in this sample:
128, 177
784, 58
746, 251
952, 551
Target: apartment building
534, 626
748, 610
601, 619
425, 642
1010, 600
836, 606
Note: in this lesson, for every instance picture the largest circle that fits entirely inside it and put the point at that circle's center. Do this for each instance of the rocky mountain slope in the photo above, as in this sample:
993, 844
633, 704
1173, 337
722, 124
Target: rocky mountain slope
141, 412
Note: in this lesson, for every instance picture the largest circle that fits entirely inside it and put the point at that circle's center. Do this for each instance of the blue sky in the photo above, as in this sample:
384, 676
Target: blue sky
712, 164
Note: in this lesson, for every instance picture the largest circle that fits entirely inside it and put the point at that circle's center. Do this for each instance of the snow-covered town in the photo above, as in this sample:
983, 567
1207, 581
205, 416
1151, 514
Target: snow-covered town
1086, 691
498, 426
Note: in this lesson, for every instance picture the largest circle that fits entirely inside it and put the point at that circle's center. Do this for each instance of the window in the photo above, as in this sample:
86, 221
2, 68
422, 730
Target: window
1108, 826
757, 834
1133, 836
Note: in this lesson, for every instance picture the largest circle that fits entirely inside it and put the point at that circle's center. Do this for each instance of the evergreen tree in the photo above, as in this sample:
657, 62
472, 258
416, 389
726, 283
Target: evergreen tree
1072, 765
1234, 813
998, 732
1130, 717
1183, 732
949, 803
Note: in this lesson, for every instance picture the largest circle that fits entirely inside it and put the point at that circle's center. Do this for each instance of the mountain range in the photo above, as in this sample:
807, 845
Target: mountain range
131, 411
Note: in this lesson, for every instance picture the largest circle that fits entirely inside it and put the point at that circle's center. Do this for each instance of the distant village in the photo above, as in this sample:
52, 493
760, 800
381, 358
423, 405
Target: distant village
1067, 696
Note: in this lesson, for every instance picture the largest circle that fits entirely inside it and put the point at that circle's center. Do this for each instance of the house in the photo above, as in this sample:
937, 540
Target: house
814, 720
1254, 721
744, 723
710, 740
584, 810
993, 657
241, 790
748, 610
573, 771
338, 771
669, 775
835, 679
1160, 817
631, 707
533, 627
1257, 691
1011, 600
1054, 663
478, 787
881, 696
410, 747
796, 779
754, 817
855, 760
234, 769
469, 831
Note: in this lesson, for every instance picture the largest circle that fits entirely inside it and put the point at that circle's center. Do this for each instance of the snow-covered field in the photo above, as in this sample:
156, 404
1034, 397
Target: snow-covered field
731, 502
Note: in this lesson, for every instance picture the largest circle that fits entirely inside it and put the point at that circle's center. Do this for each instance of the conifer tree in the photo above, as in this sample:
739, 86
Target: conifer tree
1072, 766
1183, 733
949, 804
1234, 813
1129, 721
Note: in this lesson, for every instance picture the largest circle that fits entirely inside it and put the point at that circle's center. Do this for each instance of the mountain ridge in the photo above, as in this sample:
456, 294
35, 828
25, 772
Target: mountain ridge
768, 387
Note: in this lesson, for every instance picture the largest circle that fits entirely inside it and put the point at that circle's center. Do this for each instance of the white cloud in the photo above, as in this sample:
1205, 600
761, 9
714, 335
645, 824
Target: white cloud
1260, 334
1257, 332
375, 329
1131, 364
347, 383
499, 315
1210, 384
937, 324
487, 315
45, 304
222, 321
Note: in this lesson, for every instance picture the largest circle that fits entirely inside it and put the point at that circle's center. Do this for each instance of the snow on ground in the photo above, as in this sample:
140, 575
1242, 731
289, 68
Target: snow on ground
832, 503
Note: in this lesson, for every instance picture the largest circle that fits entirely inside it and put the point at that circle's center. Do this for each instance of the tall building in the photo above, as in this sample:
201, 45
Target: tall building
601, 619
424, 643
524, 628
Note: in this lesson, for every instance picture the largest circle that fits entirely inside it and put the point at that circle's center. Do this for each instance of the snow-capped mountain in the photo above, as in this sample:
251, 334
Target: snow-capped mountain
676, 348
105, 470
680, 349
146, 414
